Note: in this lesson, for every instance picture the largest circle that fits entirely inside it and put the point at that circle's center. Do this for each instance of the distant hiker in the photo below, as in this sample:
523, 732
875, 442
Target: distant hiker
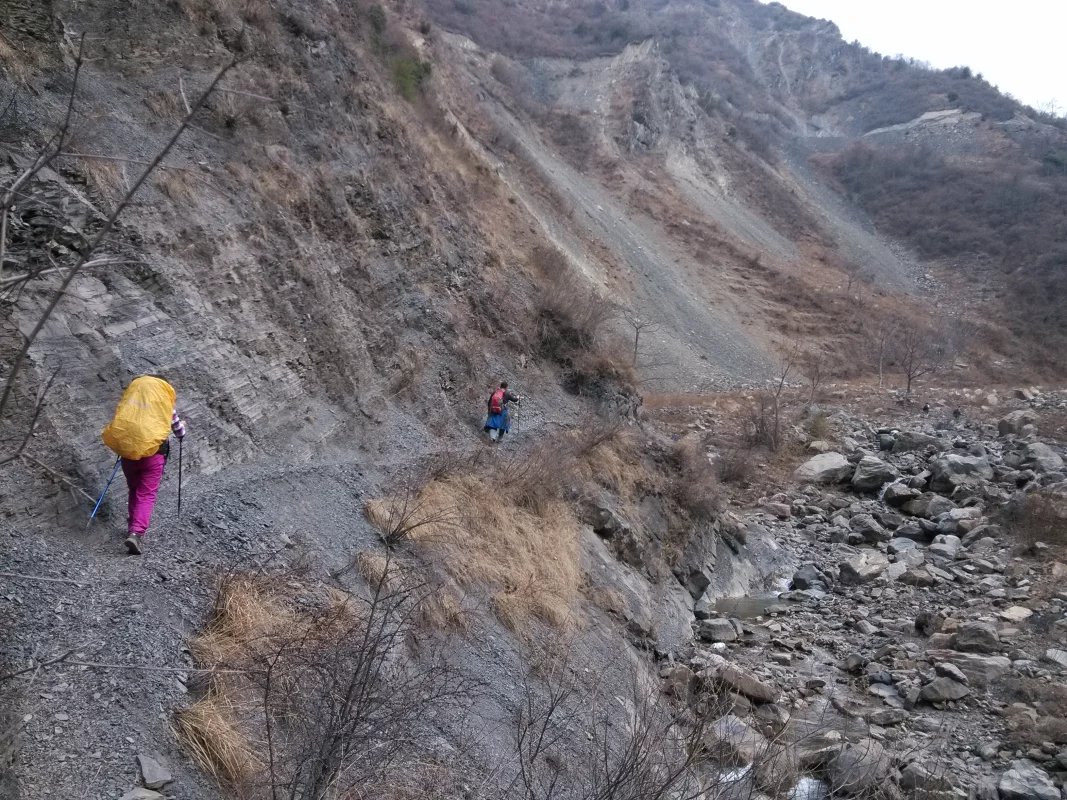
139, 433
497, 421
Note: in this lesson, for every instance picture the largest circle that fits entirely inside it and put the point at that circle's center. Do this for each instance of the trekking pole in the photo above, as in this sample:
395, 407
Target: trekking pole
96, 508
179, 479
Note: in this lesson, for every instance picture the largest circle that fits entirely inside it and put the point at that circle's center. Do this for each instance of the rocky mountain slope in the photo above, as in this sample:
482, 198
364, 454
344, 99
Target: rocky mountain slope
632, 214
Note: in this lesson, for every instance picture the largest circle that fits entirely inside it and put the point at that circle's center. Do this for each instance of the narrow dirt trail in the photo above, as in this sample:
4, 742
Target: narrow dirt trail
135, 615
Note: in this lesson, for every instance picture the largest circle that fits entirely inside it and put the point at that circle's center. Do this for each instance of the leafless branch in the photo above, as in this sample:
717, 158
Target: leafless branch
42, 579
38, 406
60, 477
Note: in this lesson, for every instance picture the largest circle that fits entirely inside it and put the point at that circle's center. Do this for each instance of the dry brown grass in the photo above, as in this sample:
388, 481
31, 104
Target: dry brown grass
107, 178
164, 104
211, 733
247, 612
501, 526
177, 184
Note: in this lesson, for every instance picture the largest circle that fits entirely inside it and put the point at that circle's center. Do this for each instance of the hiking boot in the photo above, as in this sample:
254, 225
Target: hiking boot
133, 544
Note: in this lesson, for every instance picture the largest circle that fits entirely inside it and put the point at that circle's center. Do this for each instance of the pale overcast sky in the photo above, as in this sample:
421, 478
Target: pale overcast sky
1017, 45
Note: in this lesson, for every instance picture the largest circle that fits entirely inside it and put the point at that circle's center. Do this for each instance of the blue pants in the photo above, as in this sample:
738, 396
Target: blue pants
499, 422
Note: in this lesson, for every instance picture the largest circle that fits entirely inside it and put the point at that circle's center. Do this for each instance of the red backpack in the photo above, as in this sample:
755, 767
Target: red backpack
496, 402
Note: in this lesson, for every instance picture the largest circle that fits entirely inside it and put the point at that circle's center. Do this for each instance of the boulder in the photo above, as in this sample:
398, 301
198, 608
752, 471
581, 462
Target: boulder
810, 576
1027, 781
734, 742
908, 441
897, 494
976, 637
980, 670
153, 774
717, 630
943, 689
862, 568
1013, 423
920, 782
1042, 458
945, 547
952, 471
872, 473
777, 771
720, 673
1015, 614
1057, 657
928, 505
858, 768
918, 576
816, 750
900, 545
824, 468
869, 529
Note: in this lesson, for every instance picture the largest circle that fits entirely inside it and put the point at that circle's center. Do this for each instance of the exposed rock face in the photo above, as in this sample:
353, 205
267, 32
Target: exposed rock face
1027, 781
824, 468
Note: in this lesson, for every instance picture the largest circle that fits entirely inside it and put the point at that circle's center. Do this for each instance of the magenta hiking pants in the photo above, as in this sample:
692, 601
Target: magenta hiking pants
143, 477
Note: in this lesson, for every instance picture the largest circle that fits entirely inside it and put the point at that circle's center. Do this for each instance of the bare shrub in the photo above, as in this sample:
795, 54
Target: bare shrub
315, 691
695, 487
735, 465
637, 745
819, 426
571, 314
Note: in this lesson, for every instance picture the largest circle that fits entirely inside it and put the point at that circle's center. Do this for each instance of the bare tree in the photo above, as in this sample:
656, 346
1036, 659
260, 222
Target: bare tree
814, 367
881, 338
918, 354
765, 417
639, 326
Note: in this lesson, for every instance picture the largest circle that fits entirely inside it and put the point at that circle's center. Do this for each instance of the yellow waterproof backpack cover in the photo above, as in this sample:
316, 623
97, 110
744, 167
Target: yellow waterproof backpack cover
142, 418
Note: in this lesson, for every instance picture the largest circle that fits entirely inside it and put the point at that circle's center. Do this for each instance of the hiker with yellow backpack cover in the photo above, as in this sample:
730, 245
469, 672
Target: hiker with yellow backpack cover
139, 433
